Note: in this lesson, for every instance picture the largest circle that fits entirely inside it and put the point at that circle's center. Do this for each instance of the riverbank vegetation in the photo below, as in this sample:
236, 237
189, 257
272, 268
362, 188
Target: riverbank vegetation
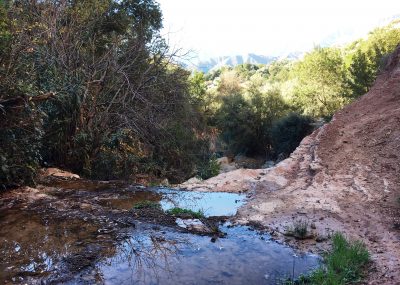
91, 86
344, 264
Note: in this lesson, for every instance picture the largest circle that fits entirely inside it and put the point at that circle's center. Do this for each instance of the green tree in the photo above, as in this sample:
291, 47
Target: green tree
288, 132
266, 108
234, 119
245, 124
320, 77
246, 70
230, 83
362, 74
198, 92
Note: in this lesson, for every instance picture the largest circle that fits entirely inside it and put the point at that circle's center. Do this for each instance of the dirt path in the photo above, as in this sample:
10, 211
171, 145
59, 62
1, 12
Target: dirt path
344, 177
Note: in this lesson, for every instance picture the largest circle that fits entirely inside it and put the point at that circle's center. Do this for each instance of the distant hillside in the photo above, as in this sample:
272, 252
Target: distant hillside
217, 62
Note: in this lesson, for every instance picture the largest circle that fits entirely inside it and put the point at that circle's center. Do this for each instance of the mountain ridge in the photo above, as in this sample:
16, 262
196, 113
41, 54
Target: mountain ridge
232, 60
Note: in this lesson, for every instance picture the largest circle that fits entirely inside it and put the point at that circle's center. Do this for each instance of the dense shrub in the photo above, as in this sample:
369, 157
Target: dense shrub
245, 124
234, 119
288, 132
208, 168
115, 87
20, 141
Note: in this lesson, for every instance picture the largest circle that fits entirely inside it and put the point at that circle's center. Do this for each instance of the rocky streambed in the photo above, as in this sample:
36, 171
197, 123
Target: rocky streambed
72, 231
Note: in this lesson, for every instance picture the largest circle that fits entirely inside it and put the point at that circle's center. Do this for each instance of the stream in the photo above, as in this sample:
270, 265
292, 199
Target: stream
84, 232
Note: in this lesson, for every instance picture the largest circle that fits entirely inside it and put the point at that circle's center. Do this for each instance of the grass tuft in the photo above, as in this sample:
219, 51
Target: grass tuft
299, 229
344, 264
146, 204
186, 212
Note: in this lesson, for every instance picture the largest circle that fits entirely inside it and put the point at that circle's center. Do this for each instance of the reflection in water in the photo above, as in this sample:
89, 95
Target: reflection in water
121, 196
37, 248
244, 257
145, 257
129, 199
211, 203
30, 245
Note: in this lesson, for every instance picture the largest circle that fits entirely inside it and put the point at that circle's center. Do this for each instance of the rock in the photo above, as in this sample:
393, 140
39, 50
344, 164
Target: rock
226, 164
268, 164
193, 180
223, 160
314, 166
52, 171
89, 278
85, 206
247, 162
193, 225
165, 182
321, 239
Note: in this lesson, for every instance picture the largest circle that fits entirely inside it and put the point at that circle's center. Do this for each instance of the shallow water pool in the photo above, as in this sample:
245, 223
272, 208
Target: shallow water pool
242, 257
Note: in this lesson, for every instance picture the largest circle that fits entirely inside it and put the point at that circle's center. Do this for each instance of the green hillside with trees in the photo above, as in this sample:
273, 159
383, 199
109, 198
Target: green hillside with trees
268, 109
92, 87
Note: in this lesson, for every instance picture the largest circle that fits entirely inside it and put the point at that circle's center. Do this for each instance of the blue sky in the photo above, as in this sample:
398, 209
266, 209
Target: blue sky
211, 28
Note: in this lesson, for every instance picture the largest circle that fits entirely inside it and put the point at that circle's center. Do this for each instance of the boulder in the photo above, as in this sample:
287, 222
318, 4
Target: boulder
193, 225
226, 164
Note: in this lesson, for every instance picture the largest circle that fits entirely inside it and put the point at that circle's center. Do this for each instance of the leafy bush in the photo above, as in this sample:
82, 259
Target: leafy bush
234, 121
120, 156
186, 213
177, 152
20, 143
209, 169
288, 132
245, 123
